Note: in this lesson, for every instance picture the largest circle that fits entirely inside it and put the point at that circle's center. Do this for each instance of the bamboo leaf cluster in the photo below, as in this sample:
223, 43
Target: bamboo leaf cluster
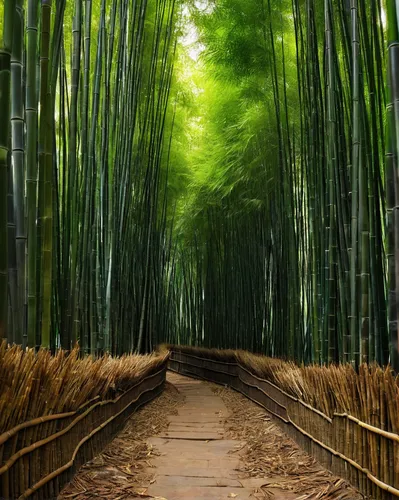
283, 246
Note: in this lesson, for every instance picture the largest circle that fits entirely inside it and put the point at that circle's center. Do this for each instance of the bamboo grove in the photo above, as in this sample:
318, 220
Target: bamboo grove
245, 196
290, 245
83, 171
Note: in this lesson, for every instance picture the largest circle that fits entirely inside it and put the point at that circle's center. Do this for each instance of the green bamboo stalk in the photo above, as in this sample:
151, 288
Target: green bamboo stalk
45, 177
70, 251
393, 191
354, 319
13, 323
6, 42
18, 157
31, 111
331, 162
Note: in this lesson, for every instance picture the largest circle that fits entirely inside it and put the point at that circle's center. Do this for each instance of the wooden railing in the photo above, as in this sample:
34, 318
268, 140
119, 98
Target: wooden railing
343, 444
37, 458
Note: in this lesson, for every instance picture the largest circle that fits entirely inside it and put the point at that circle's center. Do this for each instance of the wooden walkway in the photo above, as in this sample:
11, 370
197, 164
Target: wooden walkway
212, 444
197, 461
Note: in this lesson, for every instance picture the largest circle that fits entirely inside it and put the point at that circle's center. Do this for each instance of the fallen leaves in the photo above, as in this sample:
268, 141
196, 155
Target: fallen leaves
270, 454
119, 472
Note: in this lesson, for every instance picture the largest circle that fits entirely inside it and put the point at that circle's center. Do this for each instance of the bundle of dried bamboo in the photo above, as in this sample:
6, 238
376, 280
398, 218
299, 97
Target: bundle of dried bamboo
370, 394
347, 419
38, 384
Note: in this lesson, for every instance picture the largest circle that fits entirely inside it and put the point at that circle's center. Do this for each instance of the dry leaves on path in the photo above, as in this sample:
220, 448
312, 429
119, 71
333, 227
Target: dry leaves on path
272, 455
118, 472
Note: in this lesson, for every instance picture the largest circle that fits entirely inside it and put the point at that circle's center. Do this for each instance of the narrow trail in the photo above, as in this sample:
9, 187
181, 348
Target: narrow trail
204, 442
197, 460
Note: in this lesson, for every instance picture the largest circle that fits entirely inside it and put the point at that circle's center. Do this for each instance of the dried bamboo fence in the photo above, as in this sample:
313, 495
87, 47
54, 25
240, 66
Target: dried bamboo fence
38, 457
364, 451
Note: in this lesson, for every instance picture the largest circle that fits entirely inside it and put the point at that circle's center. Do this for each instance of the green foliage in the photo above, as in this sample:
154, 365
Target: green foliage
98, 123
204, 171
284, 208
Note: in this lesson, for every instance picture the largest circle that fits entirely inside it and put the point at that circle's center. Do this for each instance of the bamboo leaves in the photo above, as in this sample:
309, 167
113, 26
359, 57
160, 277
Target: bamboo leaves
307, 263
248, 214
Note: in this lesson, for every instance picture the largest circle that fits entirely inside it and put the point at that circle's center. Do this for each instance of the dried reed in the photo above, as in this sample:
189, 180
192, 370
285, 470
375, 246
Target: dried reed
365, 394
38, 384
272, 455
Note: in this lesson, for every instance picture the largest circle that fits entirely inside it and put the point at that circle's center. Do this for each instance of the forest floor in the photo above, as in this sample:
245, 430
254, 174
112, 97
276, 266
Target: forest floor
204, 442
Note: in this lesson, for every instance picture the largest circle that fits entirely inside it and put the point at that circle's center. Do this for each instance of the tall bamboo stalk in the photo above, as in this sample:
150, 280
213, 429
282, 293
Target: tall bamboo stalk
321, 226
31, 166
6, 41
18, 167
392, 181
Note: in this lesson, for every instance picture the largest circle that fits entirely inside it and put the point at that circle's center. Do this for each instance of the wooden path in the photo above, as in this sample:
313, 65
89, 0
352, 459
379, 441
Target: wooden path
212, 444
197, 461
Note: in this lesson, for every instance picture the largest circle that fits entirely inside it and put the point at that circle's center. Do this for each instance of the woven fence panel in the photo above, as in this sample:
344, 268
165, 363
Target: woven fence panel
38, 460
359, 453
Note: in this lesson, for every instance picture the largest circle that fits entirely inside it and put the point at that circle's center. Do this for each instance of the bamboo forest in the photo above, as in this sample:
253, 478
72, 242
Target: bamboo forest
191, 184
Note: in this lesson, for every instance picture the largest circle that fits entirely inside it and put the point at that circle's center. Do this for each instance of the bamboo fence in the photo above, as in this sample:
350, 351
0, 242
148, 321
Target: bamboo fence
347, 420
39, 455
